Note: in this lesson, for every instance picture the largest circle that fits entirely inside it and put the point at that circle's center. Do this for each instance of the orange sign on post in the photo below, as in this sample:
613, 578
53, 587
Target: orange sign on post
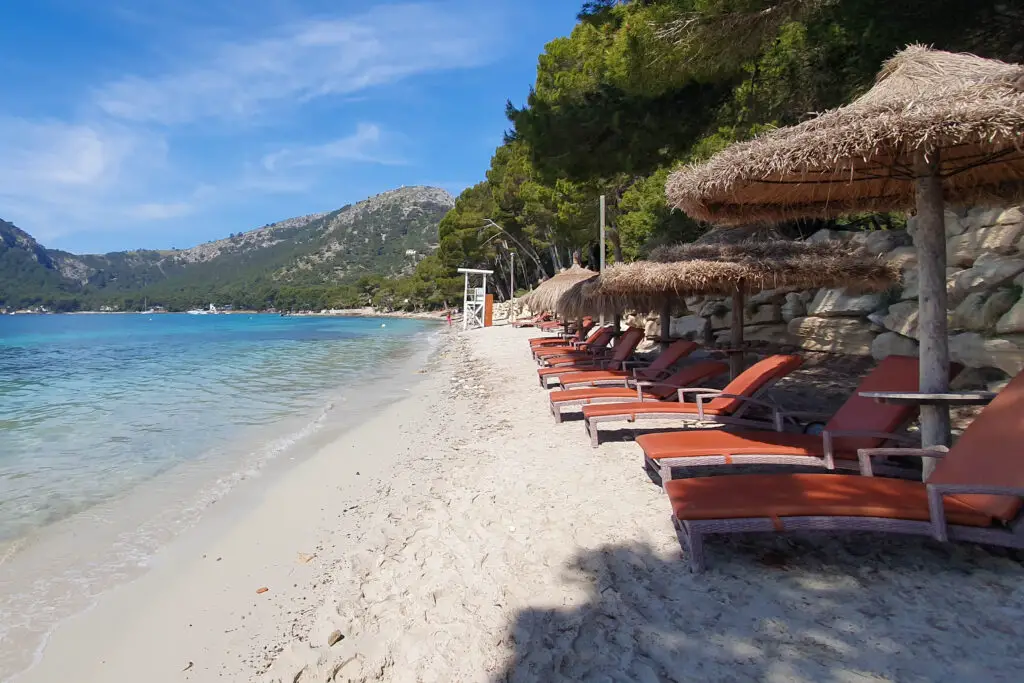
488, 310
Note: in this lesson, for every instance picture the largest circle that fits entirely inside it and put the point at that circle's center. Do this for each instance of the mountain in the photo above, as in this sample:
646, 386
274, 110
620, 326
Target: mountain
383, 235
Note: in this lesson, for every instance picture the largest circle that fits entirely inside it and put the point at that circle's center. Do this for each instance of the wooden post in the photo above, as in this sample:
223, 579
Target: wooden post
488, 310
666, 323
600, 236
930, 239
465, 301
736, 336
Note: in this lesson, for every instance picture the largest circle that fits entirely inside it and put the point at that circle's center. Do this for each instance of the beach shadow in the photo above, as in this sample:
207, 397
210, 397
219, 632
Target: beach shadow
815, 608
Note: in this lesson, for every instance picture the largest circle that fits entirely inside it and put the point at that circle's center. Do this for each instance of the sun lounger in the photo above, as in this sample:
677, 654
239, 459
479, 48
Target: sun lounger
660, 390
592, 348
973, 495
657, 369
585, 332
532, 321
723, 406
859, 423
620, 354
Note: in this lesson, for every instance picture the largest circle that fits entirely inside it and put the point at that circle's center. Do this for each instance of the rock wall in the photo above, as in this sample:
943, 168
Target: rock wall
984, 281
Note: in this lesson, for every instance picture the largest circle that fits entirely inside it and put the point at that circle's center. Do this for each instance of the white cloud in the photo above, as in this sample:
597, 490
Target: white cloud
301, 62
58, 177
364, 145
110, 167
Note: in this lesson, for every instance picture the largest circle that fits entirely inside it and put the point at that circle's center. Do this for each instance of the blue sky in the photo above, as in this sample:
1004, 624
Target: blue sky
164, 123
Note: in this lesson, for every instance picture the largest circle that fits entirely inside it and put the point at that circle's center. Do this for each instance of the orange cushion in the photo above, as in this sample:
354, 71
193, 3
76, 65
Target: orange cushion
591, 376
631, 410
802, 495
754, 378
720, 442
989, 454
590, 393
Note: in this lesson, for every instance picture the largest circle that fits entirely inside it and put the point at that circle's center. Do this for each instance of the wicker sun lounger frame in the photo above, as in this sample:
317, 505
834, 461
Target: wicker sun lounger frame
691, 533
663, 466
892, 373
710, 369
698, 419
641, 369
617, 357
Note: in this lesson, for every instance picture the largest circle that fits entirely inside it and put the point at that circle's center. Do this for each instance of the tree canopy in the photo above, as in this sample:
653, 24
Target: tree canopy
641, 86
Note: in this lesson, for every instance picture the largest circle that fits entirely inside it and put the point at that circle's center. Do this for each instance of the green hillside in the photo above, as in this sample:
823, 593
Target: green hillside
312, 261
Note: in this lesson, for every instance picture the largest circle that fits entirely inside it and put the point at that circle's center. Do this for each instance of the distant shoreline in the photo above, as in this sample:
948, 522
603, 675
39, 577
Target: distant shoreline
333, 313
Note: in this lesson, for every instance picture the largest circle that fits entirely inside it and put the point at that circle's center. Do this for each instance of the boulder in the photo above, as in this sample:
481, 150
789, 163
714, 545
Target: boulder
999, 304
954, 224
980, 217
968, 315
794, 307
910, 282
714, 307
975, 351
879, 242
990, 274
652, 328
721, 320
826, 235
1012, 322
964, 250
878, 319
904, 257
902, 319
777, 333
892, 344
691, 327
764, 314
836, 335
830, 303
767, 296
693, 303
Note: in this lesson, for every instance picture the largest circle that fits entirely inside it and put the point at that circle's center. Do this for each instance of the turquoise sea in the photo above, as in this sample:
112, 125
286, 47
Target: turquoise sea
121, 429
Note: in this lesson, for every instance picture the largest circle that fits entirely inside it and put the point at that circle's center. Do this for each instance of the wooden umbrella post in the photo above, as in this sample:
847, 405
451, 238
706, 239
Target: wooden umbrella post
736, 335
930, 239
665, 324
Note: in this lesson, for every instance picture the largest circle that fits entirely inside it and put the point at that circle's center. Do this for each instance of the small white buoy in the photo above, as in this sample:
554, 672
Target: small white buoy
383, 325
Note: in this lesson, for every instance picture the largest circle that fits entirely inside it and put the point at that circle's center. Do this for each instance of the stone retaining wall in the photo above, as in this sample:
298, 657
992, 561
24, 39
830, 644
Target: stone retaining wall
984, 282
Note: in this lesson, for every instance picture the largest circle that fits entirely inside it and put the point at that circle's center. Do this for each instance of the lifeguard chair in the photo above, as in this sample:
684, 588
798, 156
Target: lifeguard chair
476, 302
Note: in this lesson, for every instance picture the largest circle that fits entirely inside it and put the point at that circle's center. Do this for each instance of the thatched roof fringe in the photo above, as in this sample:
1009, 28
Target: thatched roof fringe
855, 158
545, 296
685, 270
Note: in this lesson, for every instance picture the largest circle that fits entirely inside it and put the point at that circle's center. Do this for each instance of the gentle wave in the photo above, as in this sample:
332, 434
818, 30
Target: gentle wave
117, 432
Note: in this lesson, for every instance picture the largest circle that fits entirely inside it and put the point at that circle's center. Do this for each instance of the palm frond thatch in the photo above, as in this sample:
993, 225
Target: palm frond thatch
861, 157
546, 295
688, 269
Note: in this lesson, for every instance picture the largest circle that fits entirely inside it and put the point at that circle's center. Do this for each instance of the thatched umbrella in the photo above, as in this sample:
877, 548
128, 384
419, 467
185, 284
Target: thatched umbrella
935, 127
545, 297
732, 270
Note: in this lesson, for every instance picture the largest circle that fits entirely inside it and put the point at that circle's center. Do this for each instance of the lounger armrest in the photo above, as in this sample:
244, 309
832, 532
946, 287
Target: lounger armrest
776, 419
637, 363
864, 455
828, 438
698, 390
937, 510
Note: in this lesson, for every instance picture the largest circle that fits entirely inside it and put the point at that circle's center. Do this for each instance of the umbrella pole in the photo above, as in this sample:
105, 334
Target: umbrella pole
736, 335
932, 327
665, 324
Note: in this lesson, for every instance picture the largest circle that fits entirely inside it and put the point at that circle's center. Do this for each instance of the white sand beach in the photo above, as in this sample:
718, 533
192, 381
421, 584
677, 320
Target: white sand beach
461, 536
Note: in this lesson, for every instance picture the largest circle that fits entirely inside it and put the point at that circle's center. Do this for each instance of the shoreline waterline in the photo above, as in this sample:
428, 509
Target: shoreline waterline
62, 568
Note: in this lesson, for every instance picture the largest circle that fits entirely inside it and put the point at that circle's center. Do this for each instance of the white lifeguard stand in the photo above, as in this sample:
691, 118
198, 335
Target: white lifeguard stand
474, 298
